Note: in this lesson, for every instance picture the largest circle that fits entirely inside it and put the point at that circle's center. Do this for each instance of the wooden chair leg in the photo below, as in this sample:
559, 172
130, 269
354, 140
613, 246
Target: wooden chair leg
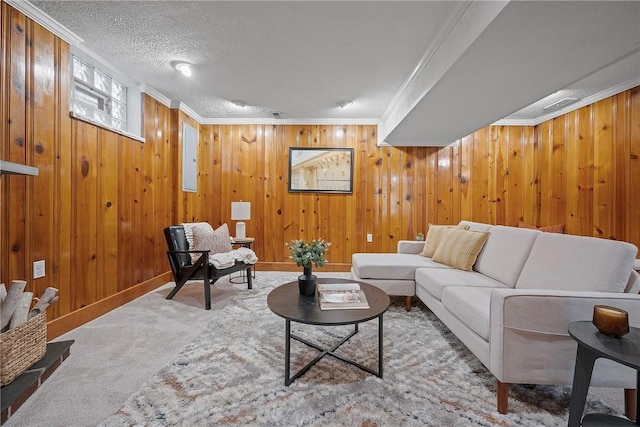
407, 303
503, 396
630, 410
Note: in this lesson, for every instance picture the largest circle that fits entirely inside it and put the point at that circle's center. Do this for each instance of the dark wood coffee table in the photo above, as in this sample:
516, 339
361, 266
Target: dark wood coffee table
286, 302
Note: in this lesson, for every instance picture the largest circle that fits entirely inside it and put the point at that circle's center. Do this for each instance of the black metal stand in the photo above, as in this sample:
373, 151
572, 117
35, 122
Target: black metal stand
288, 379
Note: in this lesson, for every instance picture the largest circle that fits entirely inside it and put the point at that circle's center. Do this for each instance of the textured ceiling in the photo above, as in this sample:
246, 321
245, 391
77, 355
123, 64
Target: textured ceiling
429, 72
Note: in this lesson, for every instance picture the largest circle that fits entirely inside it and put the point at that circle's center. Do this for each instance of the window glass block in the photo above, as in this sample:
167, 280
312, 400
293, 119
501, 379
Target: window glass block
101, 82
80, 109
118, 110
118, 124
82, 71
101, 117
118, 91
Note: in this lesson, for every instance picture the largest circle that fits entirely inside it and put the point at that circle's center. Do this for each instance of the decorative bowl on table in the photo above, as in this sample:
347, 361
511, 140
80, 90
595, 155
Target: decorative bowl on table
611, 321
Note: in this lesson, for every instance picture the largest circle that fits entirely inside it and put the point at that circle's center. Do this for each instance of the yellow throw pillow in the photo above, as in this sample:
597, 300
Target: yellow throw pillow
434, 237
460, 248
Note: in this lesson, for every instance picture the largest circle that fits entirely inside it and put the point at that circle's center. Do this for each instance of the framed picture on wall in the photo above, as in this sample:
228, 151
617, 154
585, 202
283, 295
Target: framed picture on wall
320, 170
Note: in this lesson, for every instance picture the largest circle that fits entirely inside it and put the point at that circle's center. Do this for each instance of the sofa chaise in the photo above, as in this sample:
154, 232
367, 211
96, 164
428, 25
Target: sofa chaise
513, 308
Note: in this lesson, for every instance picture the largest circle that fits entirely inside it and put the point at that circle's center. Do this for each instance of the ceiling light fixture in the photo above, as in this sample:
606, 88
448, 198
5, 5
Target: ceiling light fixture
345, 104
560, 104
184, 68
239, 103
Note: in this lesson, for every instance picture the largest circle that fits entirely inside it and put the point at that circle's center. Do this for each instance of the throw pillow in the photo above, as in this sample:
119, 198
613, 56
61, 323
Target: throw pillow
188, 230
434, 237
460, 248
559, 228
215, 241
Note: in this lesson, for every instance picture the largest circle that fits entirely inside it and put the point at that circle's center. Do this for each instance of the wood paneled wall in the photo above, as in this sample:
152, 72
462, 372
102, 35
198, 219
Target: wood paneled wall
97, 210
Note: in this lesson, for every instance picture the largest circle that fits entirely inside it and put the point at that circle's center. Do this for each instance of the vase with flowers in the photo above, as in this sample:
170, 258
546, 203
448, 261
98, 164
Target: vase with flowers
305, 255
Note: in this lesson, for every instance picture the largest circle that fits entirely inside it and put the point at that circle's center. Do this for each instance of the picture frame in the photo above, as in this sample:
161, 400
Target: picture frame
320, 170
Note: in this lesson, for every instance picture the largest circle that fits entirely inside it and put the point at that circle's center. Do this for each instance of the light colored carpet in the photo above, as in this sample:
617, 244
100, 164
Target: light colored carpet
232, 374
118, 355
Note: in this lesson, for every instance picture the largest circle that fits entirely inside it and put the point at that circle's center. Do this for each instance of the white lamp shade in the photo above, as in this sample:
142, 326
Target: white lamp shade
240, 211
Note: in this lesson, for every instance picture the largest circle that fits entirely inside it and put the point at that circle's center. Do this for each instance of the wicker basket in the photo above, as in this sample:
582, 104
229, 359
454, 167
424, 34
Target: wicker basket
21, 347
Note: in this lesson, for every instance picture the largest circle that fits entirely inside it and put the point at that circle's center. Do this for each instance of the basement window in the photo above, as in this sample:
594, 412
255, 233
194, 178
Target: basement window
97, 97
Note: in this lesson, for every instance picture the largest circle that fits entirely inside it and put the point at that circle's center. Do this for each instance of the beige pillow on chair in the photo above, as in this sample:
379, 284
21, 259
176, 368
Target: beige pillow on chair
215, 241
434, 237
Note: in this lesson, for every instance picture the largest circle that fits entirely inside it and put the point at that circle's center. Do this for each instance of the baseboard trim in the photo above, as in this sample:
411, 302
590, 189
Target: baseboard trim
289, 266
68, 322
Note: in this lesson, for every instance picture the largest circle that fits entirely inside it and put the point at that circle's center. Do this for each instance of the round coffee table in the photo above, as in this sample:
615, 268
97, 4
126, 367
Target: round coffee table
286, 302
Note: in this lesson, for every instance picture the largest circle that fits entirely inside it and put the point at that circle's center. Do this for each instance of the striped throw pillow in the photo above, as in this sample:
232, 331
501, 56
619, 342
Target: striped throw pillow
434, 237
460, 248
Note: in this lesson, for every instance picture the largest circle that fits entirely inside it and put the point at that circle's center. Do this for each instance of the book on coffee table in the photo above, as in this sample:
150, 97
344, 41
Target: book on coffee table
340, 296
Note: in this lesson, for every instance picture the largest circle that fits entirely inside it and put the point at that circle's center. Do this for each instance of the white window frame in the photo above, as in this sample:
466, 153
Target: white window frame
131, 119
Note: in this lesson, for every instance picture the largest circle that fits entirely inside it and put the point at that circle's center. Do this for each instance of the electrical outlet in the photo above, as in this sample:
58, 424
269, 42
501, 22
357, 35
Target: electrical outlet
369, 238
38, 269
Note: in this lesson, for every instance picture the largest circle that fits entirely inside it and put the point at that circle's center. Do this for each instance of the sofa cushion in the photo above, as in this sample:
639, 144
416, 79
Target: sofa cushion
471, 305
434, 237
390, 266
505, 252
577, 263
476, 226
435, 280
460, 248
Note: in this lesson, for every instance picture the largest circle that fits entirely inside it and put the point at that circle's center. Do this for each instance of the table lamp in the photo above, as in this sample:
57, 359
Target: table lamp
239, 212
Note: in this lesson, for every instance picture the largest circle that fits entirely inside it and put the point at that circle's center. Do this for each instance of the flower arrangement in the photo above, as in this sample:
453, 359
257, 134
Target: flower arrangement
305, 254
419, 236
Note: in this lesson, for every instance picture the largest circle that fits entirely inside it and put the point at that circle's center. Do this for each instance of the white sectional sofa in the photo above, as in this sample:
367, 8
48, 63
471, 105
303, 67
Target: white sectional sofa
513, 309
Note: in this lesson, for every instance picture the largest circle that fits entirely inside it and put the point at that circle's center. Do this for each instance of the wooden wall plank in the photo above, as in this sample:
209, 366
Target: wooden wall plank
585, 179
42, 148
632, 201
107, 214
604, 171
85, 227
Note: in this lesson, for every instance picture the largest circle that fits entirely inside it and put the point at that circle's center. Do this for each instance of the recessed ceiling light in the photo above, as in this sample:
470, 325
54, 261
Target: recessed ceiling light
184, 68
239, 103
345, 104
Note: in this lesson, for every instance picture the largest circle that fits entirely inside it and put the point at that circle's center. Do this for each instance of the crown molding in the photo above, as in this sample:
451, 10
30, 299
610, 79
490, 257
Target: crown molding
46, 21
190, 112
145, 88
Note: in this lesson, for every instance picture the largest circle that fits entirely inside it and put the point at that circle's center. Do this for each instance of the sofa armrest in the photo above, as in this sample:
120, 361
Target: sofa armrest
529, 341
410, 246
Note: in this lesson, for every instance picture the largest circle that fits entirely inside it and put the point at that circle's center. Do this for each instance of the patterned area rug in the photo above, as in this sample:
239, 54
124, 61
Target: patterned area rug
233, 374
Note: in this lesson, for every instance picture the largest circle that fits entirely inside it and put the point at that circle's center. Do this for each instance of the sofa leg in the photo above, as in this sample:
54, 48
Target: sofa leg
630, 410
407, 303
503, 396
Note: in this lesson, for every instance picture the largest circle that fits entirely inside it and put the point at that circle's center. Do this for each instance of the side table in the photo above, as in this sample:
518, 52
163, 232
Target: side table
592, 345
246, 242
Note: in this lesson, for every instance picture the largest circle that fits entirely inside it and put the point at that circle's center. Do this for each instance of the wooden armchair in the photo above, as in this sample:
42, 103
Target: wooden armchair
183, 269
